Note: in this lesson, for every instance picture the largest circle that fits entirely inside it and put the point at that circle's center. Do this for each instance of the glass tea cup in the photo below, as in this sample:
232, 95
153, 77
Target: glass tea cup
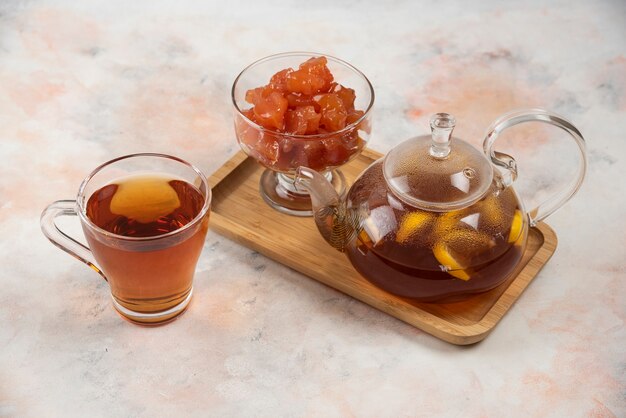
145, 217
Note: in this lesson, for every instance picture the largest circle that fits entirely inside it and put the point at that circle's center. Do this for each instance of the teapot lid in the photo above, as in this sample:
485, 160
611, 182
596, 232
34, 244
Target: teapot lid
436, 173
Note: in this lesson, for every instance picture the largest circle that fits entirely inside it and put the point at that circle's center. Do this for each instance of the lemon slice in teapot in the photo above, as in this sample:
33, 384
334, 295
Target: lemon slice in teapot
456, 249
517, 226
411, 224
453, 267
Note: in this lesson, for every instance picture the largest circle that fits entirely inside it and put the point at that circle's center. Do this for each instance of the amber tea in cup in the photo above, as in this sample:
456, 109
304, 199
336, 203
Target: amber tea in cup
145, 217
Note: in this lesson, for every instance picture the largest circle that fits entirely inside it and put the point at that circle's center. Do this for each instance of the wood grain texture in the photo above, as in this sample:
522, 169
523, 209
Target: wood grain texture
239, 213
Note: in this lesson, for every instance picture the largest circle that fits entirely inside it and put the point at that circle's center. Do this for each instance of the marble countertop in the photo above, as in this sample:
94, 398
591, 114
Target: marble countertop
83, 82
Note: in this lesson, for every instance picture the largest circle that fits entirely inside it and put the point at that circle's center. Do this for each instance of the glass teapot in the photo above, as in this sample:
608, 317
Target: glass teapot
433, 220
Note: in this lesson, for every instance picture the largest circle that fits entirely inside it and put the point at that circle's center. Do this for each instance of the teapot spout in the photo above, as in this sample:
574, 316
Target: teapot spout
337, 223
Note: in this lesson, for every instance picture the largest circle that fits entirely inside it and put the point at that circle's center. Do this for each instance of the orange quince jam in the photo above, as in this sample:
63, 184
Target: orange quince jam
306, 101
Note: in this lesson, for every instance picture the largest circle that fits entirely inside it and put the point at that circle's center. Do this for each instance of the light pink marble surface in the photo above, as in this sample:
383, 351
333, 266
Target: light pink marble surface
83, 82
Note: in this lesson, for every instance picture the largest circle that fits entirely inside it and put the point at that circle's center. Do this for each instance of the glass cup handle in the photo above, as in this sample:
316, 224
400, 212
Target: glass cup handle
60, 238
500, 159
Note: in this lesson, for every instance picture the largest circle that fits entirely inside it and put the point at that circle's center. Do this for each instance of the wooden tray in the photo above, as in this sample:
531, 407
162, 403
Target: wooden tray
239, 213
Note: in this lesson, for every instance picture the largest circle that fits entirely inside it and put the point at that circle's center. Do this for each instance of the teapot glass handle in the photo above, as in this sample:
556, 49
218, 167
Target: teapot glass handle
508, 163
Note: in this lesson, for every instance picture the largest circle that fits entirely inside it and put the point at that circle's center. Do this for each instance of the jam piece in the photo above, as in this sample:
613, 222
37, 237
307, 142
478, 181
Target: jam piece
268, 149
354, 116
247, 133
347, 96
285, 155
310, 154
336, 152
312, 77
297, 99
249, 113
295, 123
270, 111
278, 82
302, 120
254, 96
286, 146
333, 112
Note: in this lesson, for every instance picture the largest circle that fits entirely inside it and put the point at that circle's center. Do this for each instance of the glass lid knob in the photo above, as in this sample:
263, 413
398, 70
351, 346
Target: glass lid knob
441, 126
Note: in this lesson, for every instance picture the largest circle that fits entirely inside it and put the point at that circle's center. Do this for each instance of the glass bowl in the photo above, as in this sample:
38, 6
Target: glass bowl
282, 153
